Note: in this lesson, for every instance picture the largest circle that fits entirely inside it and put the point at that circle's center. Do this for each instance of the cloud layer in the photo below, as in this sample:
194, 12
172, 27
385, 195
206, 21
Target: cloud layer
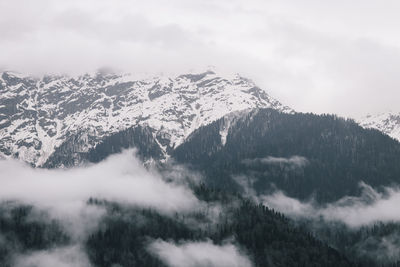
120, 178
371, 207
62, 194
293, 162
60, 257
314, 57
194, 254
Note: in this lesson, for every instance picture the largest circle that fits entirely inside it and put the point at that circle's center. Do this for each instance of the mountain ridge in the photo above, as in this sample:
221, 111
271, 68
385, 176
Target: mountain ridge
387, 122
37, 115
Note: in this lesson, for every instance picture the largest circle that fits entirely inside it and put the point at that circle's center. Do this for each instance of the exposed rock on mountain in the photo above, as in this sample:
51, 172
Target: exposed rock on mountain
71, 115
389, 123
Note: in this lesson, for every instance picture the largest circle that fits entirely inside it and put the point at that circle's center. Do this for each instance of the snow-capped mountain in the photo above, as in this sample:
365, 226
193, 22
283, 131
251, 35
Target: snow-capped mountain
388, 123
37, 115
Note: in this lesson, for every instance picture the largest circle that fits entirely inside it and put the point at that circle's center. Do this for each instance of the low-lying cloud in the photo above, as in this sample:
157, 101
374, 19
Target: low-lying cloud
60, 257
63, 194
293, 161
368, 208
120, 178
195, 254
384, 249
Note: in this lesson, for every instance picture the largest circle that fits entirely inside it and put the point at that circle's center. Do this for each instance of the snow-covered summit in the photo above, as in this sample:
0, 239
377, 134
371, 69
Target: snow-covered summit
38, 114
388, 123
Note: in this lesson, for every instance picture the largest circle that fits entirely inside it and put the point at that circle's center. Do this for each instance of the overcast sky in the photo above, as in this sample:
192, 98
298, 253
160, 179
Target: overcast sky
322, 56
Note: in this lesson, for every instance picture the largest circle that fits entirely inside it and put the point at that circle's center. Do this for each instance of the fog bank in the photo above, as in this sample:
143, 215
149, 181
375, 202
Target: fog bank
195, 254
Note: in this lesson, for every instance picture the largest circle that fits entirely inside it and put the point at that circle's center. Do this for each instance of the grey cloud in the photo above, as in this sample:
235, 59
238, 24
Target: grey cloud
194, 254
71, 256
301, 53
62, 195
293, 161
386, 248
119, 178
132, 27
369, 208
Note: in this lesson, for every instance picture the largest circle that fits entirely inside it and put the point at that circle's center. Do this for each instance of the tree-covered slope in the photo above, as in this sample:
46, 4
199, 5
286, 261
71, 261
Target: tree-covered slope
124, 234
267, 237
73, 152
21, 231
305, 155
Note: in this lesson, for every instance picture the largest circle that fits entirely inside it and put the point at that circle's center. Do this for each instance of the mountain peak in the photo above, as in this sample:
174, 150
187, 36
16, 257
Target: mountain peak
37, 115
387, 122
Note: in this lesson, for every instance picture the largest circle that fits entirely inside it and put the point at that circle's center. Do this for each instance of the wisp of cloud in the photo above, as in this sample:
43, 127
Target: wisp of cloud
60, 257
62, 194
368, 208
293, 161
120, 178
193, 254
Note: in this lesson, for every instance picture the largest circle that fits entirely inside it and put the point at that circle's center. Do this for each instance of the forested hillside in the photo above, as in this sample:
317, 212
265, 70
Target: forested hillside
71, 153
238, 157
266, 236
305, 155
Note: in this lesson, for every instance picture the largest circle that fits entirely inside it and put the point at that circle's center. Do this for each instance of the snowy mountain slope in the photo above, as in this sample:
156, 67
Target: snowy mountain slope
388, 123
37, 115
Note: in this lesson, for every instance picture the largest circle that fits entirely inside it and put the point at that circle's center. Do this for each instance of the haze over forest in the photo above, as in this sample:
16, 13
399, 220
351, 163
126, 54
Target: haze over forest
199, 133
